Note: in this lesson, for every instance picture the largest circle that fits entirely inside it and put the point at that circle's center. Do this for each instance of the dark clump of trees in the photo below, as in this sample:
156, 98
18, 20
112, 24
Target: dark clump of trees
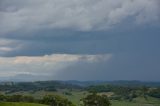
120, 92
11, 87
126, 92
94, 99
51, 100
154, 93
100, 88
55, 100
17, 98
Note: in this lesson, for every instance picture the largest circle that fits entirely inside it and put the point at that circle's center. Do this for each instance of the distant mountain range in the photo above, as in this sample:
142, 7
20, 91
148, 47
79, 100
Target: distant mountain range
25, 78
118, 82
133, 83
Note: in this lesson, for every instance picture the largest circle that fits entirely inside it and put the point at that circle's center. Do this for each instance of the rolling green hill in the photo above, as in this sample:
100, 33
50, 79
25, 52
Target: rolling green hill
123, 103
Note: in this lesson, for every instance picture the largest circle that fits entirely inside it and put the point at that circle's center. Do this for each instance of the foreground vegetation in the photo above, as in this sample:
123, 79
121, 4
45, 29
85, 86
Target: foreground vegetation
59, 93
19, 104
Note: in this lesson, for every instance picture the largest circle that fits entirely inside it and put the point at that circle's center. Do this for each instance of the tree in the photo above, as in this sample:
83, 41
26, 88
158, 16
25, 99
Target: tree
144, 91
94, 99
55, 100
155, 93
2, 98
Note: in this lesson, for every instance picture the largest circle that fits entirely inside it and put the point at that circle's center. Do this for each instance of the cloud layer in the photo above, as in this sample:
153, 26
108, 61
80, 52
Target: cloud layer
43, 27
72, 39
83, 15
47, 66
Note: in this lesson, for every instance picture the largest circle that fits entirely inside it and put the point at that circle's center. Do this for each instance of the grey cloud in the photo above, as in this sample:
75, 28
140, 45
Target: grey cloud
124, 66
8, 45
81, 15
136, 40
48, 65
127, 29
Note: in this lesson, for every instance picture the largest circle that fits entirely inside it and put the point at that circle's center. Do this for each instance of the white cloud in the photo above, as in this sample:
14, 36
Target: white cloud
7, 45
5, 49
45, 65
74, 14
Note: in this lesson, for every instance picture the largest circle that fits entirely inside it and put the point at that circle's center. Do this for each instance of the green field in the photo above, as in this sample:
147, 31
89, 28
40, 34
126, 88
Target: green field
114, 103
77, 95
122, 103
140, 101
19, 104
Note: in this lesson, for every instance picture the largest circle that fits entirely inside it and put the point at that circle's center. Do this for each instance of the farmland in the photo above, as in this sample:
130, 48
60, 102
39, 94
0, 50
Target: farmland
33, 93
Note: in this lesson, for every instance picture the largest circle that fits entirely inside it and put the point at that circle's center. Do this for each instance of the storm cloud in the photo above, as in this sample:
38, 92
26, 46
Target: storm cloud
83, 15
70, 39
45, 66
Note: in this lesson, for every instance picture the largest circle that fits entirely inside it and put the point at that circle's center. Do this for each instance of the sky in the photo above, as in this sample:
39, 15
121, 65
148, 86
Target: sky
79, 40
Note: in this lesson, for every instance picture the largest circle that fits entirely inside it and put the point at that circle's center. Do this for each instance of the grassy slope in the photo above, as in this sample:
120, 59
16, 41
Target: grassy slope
140, 101
19, 104
114, 103
77, 95
149, 100
123, 103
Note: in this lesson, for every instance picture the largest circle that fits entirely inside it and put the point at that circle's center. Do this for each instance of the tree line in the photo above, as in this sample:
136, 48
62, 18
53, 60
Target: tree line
126, 92
92, 99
